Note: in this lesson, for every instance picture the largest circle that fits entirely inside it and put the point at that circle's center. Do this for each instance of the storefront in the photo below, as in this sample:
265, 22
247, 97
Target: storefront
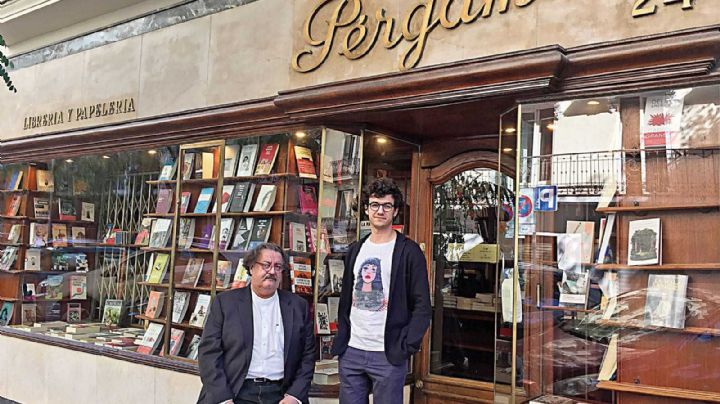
560, 165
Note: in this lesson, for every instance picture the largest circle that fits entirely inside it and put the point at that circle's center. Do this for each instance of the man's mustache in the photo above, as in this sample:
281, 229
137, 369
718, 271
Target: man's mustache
273, 277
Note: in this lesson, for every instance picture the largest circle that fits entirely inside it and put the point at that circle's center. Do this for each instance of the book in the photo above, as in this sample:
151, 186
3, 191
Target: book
644, 242
78, 235
231, 160
191, 273
266, 198
185, 199
54, 287
242, 233
15, 181
112, 312
307, 197
661, 120
326, 377
333, 303
193, 348
239, 196
188, 166
337, 268
208, 165
328, 202
160, 233
609, 362
260, 232
167, 172
246, 162
14, 206
78, 287
552, 399
143, 236
224, 274
575, 281
158, 267
186, 233
224, 200
346, 198
151, 340
156, 301
164, 201
6, 313
38, 234
207, 236
226, 231
301, 275
41, 208
66, 210
311, 233
305, 164
250, 198
45, 181
74, 313
181, 300
87, 212
14, 234
29, 291
322, 319
203, 202
266, 159
241, 278
201, 310
33, 258
298, 242
587, 236
176, 340
59, 234
326, 343
665, 301
8, 258
29, 313
605, 241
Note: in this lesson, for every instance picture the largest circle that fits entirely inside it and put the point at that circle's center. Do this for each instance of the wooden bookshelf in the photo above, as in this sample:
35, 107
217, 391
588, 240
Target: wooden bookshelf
639, 325
680, 394
656, 208
256, 214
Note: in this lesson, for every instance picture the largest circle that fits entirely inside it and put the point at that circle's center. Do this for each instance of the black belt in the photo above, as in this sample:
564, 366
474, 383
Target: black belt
263, 380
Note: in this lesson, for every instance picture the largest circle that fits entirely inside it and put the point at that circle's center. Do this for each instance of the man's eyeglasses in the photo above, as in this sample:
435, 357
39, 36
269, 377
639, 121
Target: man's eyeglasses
386, 207
267, 265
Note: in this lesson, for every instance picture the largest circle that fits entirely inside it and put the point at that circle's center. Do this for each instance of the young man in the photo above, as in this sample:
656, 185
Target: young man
384, 306
258, 344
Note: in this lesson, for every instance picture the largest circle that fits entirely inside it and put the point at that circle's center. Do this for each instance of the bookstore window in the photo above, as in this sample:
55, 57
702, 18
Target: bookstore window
618, 257
127, 250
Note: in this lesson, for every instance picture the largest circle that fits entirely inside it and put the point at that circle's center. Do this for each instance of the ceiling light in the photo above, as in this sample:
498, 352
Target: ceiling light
381, 140
507, 149
152, 152
105, 156
300, 134
69, 160
510, 130
551, 126
593, 102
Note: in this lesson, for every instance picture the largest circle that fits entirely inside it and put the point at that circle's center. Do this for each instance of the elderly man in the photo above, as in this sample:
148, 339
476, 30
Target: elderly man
258, 344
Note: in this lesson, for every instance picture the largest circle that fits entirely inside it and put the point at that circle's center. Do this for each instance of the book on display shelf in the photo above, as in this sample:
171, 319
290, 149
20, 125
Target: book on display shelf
193, 348
29, 313
143, 236
307, 195
231, 159
8, 258
66, 210
160, 233
87, 211
78, 235
54, 287
644, 242
305, 164
241, 278
200, 312
298, 240
225, 199
78, 287
224, 274
266, 159
246, 162
203, 202
336, 268
301, 275
181, 301
208, 165
156, 301
59, 234
74, 313
112, 312
260, 232
158, 268
33, 257
188, 166
41, 208
176, 341
6, 313
587, 235
14, 234
243, 229
665, 300
266, 198
151, 340
239, 195
45, 181
185, 198
192, 272
167, 172
322, 319
186, 233
164, 201
226, 231
14, 206
206, 237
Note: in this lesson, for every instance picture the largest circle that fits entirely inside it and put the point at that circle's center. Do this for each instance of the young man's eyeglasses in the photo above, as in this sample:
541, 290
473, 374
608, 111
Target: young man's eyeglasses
267, 265
386, 207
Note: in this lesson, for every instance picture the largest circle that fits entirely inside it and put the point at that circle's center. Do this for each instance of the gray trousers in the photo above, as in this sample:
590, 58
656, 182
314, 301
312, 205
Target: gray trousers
363, 372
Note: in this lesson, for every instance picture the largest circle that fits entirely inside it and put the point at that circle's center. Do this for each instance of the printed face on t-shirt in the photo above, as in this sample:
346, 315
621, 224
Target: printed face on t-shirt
368, 272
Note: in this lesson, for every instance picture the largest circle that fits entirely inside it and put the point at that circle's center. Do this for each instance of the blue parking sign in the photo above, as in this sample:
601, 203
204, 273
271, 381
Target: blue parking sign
546, 198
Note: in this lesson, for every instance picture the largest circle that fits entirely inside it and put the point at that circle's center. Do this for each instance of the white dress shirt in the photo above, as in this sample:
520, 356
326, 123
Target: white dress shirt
268, 359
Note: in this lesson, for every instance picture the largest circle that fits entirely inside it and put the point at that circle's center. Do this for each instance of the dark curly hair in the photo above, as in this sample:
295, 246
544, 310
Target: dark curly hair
380, 188
252, 255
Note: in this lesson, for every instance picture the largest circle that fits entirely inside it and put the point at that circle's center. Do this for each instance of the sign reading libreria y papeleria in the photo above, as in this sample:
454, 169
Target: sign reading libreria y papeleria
80, 113
353, 30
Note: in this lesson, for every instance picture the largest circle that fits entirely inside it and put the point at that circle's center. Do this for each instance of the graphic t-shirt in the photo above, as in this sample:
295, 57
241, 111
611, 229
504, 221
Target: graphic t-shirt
370, 296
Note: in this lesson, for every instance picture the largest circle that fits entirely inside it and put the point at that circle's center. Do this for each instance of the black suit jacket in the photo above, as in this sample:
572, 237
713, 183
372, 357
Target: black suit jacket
408, 311
227, 342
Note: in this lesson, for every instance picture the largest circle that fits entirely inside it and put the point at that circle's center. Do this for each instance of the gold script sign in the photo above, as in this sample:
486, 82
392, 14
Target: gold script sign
366, 29
648, 7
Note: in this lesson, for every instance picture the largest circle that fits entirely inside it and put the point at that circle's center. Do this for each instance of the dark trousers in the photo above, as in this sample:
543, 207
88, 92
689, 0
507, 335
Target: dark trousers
362, 372
259, 393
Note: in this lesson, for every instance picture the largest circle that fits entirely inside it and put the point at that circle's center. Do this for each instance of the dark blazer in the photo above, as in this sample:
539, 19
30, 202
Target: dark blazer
227, 341
408, 311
